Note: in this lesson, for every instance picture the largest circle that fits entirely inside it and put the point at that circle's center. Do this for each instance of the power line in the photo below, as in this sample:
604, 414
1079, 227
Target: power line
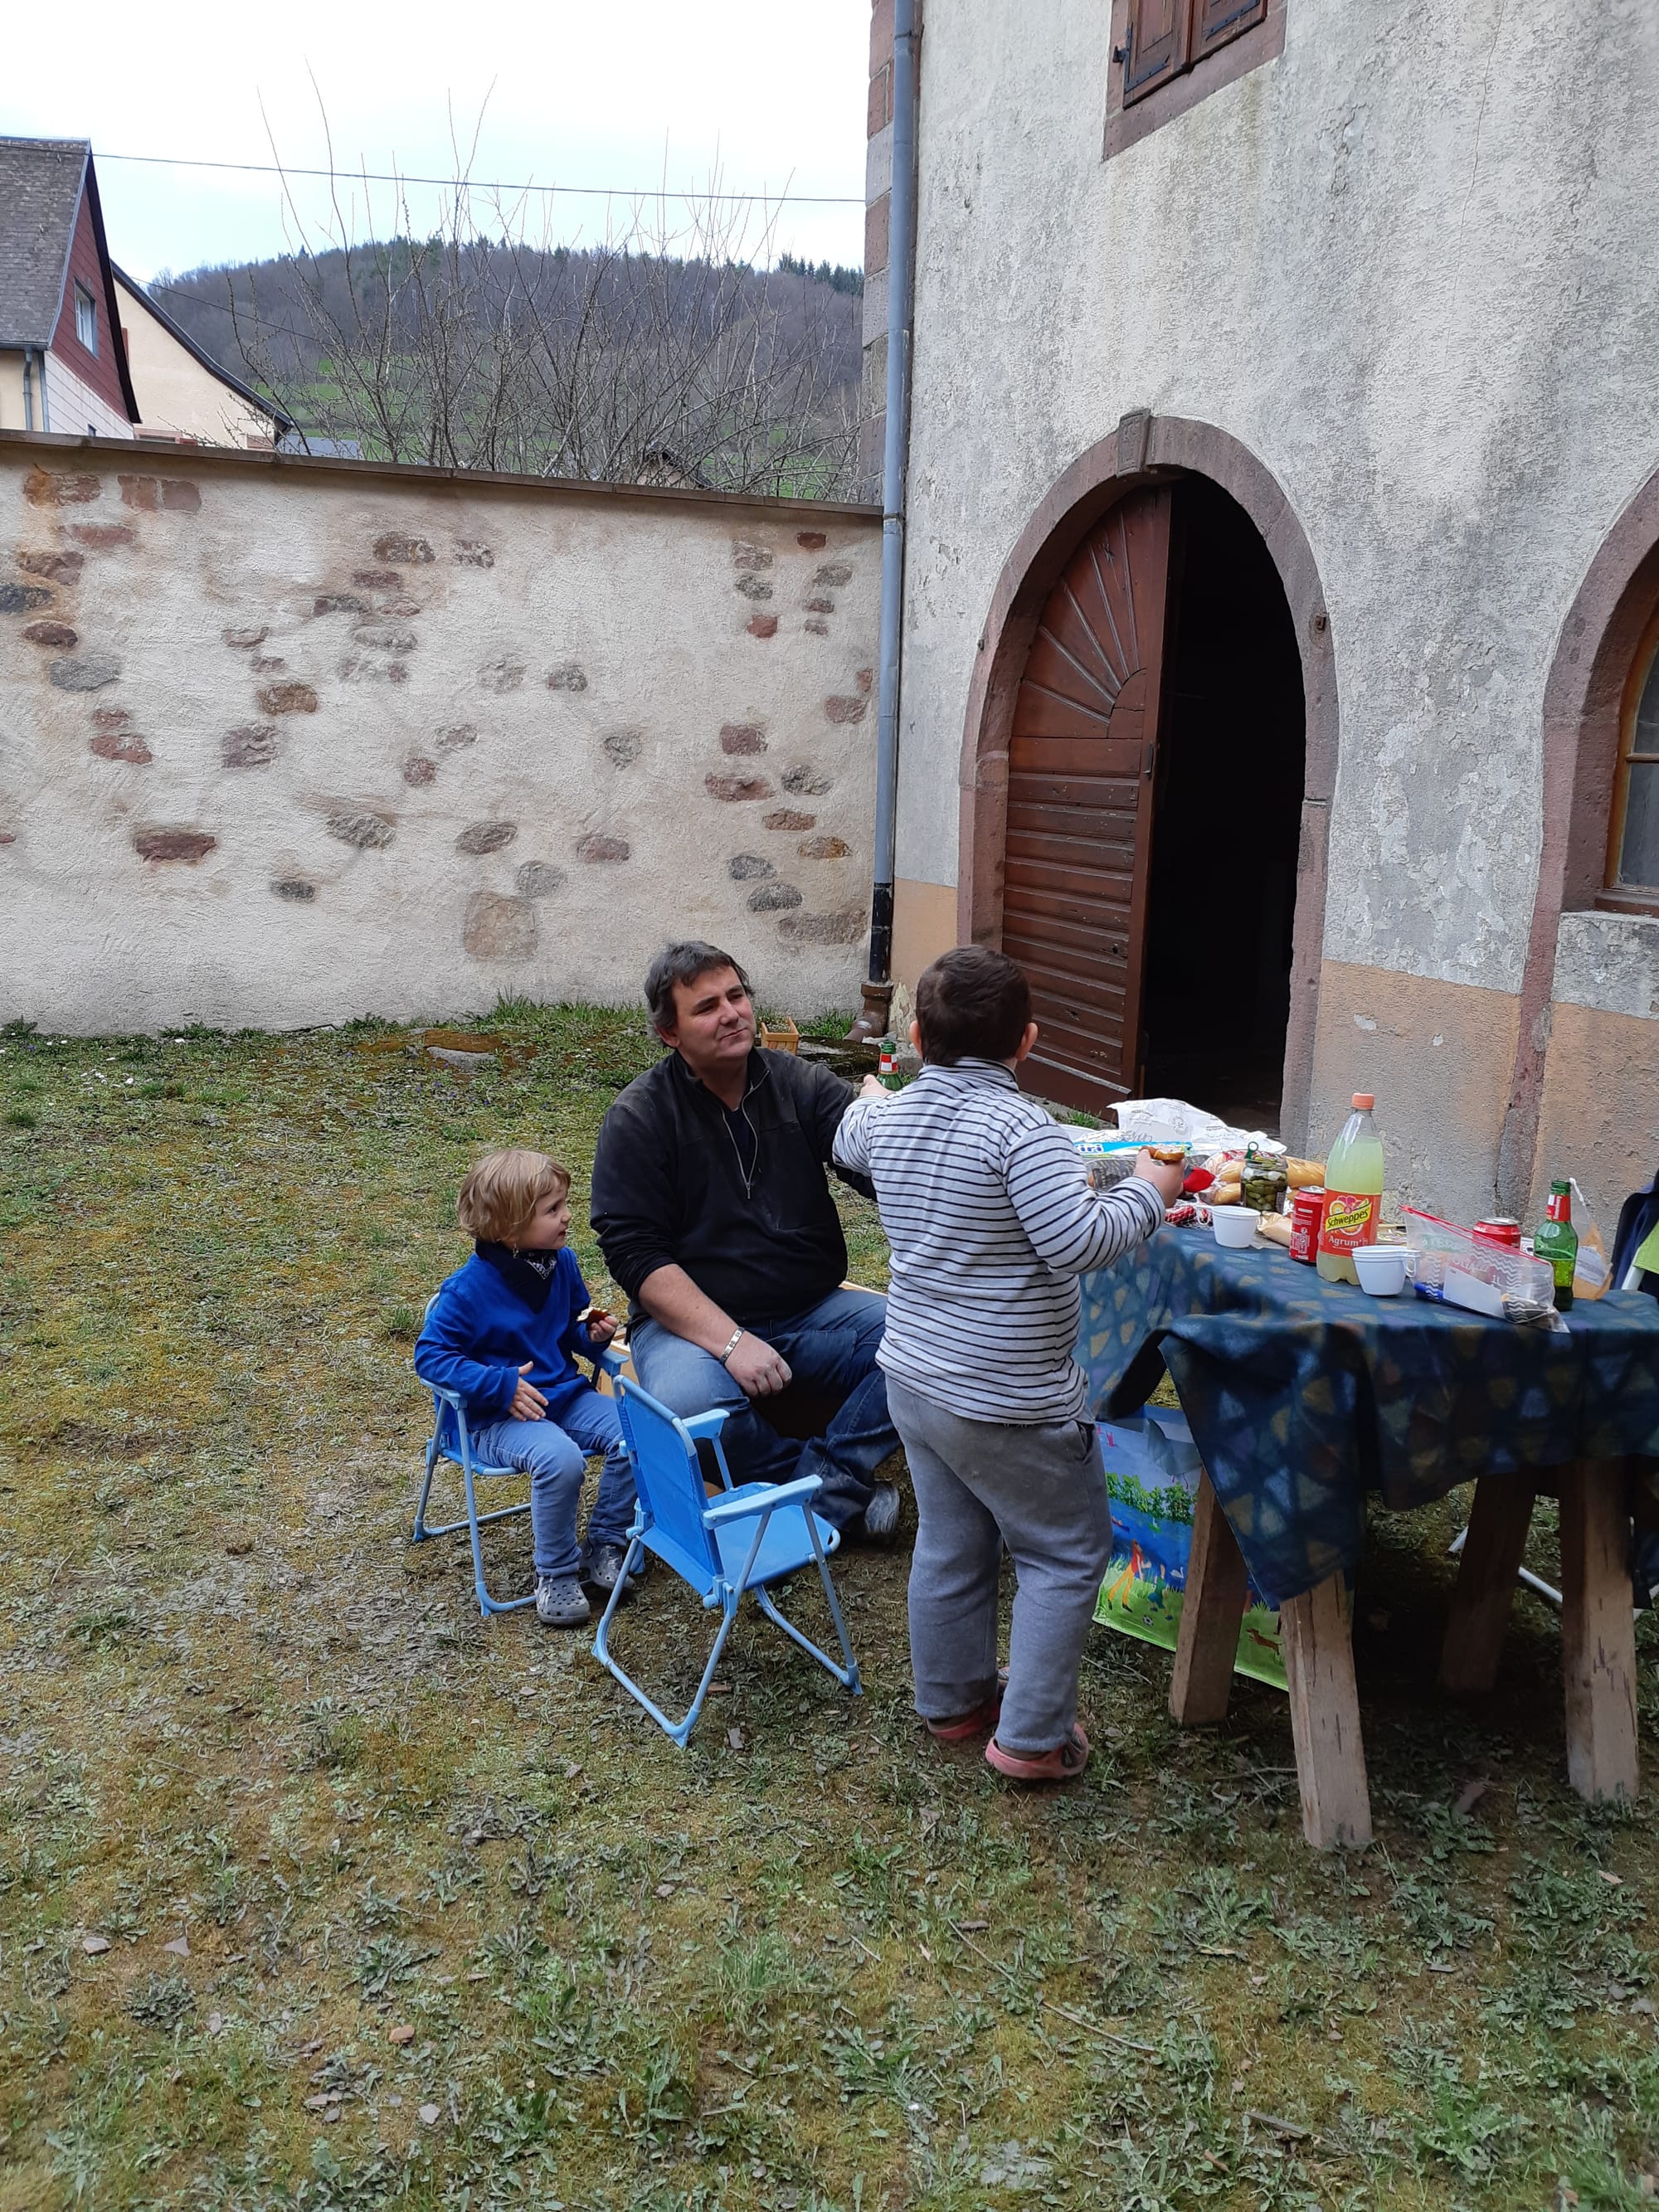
586, 191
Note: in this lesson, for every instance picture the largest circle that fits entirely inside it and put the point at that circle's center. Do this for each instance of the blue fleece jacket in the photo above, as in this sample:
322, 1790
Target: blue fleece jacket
480, 1332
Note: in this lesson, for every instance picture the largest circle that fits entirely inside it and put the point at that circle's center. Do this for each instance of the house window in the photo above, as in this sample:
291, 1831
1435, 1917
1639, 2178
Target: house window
1633, 845
86, 319
1165, 38
1168, 54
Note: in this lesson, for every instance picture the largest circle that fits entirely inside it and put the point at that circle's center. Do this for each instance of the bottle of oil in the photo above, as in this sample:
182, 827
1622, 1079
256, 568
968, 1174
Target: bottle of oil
1354, 1193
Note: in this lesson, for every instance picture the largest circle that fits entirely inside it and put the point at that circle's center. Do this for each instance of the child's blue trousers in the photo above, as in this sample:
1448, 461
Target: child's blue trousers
554, 1454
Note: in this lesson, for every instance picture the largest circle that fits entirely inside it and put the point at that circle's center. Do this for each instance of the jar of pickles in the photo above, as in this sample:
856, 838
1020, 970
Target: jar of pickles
1264, 1181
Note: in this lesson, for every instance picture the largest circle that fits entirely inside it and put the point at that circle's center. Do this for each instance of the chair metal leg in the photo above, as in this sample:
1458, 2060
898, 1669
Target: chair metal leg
678, 1732
487, 1605
847, 1676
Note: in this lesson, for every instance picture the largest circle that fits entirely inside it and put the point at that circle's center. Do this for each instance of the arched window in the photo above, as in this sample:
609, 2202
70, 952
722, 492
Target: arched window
1633, 840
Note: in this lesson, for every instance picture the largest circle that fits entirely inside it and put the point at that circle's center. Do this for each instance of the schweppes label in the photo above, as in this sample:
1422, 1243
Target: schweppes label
1350, 1220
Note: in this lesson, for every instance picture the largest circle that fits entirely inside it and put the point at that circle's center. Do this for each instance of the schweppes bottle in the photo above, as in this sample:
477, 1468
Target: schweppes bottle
1354, 1193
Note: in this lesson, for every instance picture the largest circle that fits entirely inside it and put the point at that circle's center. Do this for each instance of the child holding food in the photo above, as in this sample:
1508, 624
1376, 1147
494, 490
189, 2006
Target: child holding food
992, 1220
504, 1331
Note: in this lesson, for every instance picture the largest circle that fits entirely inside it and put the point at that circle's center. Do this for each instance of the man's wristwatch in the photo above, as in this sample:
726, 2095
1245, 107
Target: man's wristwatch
735, 1339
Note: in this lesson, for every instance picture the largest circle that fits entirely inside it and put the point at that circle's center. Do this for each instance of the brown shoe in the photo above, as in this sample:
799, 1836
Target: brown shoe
1063, 1764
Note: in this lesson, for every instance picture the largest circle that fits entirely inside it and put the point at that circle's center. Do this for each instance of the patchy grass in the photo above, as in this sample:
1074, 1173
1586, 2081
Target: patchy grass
458, 1929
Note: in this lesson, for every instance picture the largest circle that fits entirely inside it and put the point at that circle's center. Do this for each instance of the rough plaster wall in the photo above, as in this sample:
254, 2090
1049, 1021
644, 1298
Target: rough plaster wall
1409, 265
280, 745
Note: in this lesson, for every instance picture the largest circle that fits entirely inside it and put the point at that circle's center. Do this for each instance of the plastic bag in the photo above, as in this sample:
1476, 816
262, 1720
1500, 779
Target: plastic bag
1592, 1274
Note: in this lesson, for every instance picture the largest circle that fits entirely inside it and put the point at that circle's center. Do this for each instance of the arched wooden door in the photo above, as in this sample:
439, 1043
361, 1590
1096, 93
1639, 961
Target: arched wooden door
1081, 757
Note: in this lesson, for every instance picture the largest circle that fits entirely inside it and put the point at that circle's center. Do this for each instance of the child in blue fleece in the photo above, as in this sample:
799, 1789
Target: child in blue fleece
504, 1332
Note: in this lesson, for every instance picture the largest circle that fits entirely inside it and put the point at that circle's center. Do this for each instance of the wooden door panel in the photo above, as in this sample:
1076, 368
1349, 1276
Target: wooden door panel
1078, 838
1103, 756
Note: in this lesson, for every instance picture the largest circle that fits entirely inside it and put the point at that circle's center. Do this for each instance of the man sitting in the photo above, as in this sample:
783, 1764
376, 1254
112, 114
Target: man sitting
710, 1204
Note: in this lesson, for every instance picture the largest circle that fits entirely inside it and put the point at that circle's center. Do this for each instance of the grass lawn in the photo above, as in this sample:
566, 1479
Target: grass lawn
316, 1891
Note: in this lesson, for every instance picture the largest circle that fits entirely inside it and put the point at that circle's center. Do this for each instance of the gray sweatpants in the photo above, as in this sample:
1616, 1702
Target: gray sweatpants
1041, 1490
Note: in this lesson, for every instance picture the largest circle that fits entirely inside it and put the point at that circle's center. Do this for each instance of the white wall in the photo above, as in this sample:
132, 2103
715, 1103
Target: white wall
1410, 266
74, 409
278, 743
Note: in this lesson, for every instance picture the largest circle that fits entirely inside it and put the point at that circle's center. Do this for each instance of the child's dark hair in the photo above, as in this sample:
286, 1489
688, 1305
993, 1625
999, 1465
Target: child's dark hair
972, 1004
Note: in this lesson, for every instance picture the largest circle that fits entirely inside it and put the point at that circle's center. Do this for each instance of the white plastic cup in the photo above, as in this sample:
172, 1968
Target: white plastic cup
1381, 1269
1235, 1226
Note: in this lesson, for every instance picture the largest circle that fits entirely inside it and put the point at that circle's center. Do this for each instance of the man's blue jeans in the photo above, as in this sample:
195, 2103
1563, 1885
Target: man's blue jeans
830, 1348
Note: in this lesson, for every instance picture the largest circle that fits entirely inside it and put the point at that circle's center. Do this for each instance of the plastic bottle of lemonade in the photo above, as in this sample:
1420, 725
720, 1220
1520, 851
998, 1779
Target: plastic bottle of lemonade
1354, 1193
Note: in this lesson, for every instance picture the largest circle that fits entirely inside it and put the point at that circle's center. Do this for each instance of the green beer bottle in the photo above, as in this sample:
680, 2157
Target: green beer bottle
1556, 1240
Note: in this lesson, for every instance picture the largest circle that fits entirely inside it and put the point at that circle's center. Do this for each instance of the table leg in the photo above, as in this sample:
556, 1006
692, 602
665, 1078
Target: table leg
1498, 1520
1598, 1634
1330, 1758
1211, 1611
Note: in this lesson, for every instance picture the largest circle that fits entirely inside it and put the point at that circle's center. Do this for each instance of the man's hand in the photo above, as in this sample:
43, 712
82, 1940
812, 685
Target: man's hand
528, 1403
1165, 1179
873, 1087
758, 1370
601, 1327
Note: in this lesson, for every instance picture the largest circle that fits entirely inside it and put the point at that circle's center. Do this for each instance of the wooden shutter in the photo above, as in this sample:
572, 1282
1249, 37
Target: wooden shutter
1157, 45
1215, 21
1080, 761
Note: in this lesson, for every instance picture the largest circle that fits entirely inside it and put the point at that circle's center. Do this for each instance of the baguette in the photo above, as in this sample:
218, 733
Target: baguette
1276, 1228
1306, 1175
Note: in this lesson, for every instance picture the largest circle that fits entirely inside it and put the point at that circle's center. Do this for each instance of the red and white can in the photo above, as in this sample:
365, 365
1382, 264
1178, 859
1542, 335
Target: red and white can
1499, 1229
1307, 1212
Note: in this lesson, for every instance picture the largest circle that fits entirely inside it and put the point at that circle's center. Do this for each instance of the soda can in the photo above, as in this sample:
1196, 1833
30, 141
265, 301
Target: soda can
1499, 1229
1307, 1211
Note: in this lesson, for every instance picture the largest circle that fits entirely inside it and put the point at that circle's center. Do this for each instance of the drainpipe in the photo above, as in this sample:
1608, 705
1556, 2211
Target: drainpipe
901, 275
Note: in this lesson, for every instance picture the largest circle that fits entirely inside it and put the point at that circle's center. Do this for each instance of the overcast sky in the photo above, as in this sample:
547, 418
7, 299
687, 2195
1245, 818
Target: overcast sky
635, 95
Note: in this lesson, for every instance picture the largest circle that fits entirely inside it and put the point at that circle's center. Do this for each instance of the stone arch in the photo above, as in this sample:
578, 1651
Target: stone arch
1146, 448
1583, 699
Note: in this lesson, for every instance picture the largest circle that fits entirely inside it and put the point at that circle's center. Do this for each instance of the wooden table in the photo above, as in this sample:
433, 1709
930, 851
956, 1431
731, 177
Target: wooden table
1305, 1397
1598, 1641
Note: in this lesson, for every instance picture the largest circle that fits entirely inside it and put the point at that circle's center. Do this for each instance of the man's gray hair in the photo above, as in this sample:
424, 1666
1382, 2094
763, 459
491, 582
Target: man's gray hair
684, 963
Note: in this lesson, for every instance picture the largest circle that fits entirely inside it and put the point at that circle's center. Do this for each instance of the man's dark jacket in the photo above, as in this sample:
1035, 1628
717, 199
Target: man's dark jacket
669, 1187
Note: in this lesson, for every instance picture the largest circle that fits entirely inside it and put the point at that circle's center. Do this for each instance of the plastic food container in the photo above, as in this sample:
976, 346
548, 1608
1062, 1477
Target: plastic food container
1381, 1269
1453, 1265
1235, 1226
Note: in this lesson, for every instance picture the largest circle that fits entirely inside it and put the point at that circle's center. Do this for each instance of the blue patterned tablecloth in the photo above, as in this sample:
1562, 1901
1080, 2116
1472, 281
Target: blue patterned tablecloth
1303, 1395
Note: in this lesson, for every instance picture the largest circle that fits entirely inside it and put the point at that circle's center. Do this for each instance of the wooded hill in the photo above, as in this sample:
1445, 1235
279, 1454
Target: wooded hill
608, 363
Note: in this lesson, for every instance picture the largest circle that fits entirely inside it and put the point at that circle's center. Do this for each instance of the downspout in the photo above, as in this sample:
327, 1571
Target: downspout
901, 284
45, 412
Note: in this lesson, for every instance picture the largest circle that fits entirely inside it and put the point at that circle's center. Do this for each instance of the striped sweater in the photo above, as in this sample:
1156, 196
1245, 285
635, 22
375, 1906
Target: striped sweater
992, 1219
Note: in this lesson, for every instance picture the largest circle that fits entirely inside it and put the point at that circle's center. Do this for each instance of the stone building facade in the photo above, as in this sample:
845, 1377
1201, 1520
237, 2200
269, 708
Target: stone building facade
286, 741
1345, 331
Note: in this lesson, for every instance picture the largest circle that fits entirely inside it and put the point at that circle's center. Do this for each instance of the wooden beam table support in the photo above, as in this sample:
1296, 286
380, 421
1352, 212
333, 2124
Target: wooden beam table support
1498, 1520
1598, 1634
1212, 1611
1330, 1758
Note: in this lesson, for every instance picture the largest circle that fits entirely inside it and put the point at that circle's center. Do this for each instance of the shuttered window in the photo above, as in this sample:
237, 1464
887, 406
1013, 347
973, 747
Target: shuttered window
1634, 848
1215, 21
1158, 45
1166, 37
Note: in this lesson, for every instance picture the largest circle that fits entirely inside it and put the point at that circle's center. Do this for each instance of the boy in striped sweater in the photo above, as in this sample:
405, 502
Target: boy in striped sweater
992, 1219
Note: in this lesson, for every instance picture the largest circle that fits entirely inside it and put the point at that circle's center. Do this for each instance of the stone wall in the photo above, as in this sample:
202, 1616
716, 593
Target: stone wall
286, 741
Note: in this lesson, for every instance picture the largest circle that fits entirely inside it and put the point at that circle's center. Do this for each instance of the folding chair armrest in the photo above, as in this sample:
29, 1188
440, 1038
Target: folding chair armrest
612, 1362
452, 1398
768, 1501
709, 1424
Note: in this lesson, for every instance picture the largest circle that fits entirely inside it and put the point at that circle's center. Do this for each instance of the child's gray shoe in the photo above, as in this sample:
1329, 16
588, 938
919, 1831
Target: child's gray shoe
601, 1566
561, 1602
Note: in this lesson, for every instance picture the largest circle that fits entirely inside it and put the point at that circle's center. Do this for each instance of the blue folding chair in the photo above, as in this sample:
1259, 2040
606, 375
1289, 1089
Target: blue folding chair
451, 1440
742, 1540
